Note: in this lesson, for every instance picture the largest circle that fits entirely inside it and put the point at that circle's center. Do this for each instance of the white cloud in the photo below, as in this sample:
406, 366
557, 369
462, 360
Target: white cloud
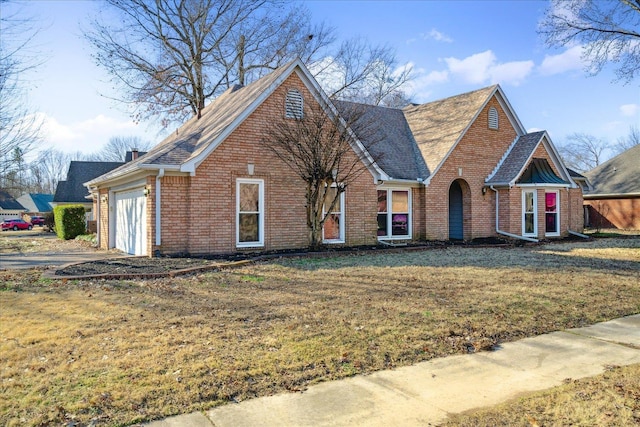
422, 80
629, 110
568, 60
87, 135
437, 36
482, 67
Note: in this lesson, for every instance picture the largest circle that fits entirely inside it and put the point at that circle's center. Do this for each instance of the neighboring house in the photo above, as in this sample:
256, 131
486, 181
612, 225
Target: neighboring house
73, 192
459, 168
10, 207
613, 197
36, 203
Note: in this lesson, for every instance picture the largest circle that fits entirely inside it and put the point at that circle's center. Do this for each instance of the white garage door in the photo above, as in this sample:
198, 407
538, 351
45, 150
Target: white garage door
131, 222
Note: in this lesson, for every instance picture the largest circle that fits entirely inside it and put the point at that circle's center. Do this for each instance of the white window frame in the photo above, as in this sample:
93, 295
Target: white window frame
294, 105
535, 212
389, 213
341, 238
557, 213
260, 212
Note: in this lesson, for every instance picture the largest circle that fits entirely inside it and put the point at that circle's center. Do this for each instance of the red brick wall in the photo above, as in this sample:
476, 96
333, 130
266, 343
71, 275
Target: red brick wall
207, 201
614, 213
477, 154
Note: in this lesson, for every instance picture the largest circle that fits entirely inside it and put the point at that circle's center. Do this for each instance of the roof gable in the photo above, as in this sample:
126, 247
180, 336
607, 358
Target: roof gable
619, 175
519, 157
190, 145
36, 202
438, 126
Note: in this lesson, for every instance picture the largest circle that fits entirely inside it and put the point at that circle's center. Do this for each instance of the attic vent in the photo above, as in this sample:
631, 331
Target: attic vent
293, 105
493, 118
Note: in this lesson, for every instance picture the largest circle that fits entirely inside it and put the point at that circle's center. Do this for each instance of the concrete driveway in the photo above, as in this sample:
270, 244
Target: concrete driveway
25, 260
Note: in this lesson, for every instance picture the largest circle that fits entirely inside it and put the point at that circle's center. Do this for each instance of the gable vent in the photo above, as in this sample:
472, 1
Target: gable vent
293, 105
493, 118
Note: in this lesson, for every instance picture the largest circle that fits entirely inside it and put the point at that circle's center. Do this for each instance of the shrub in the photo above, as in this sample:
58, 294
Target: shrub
49, 221
69, 221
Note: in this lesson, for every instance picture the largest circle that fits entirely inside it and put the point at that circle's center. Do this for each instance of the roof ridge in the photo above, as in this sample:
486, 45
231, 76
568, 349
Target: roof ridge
486, 88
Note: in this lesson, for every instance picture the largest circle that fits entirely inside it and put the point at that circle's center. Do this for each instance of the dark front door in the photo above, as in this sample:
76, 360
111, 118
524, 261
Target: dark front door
455, 212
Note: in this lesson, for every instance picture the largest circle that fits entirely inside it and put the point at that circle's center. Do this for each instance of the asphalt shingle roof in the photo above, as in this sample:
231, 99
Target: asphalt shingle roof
197, 134
619, 175
385, 133
72, 190
9, 203
36, 202
437, 126
515, 161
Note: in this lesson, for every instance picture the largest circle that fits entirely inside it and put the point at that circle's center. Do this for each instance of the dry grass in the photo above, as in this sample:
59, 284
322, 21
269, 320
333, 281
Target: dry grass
119, 352
609, 399
36, 240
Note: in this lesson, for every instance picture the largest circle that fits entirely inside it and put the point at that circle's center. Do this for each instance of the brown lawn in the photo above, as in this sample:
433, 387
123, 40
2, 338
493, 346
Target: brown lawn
119, 352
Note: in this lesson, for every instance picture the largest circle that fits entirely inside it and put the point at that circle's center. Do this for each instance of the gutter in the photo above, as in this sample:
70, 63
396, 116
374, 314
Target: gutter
504, 233
158, 207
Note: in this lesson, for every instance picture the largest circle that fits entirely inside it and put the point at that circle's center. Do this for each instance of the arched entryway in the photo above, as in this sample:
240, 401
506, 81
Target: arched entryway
459, 210
456, 212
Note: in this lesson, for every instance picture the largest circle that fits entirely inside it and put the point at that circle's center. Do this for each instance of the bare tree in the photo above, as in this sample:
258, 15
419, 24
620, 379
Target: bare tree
117, 147
320, 147
583, 152
49, 169
608, 31
19, 128
362, 72
631, 140
169, 57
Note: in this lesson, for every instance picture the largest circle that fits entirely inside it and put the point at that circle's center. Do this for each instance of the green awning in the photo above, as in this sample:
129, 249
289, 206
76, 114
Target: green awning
539, 172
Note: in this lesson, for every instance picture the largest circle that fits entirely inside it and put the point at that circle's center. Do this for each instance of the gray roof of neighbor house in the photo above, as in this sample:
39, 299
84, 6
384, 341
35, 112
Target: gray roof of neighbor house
36, 202
196, 135
386, 135
72, 190
8, 203
617, 176
437, 126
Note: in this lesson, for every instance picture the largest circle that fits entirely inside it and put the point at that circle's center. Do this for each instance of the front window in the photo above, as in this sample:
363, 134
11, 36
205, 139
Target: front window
393, 214
333, 230
529, 222
551, 213
250, 213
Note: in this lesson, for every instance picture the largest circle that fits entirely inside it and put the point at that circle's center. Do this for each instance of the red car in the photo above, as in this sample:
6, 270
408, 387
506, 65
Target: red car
37, 220
16, 224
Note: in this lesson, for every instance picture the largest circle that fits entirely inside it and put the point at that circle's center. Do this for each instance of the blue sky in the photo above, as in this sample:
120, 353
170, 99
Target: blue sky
454, 47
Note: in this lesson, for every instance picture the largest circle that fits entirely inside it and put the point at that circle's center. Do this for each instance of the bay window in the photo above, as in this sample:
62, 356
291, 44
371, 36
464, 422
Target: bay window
551, 213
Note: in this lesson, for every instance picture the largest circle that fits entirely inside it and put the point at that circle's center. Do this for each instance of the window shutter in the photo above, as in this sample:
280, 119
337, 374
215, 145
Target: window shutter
493, 118
294, 105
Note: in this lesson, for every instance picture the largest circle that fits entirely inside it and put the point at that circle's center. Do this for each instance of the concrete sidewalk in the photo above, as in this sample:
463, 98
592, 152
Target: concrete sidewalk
425, 393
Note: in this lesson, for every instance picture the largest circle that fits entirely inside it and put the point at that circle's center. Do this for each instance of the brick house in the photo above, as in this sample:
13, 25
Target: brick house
612, 198
459, 168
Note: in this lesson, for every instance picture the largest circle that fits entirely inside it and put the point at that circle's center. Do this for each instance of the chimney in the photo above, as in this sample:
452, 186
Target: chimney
134, 153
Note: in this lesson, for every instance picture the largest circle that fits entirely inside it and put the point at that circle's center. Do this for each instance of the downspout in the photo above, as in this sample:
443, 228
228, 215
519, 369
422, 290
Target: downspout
504, 233
575, 233
158, 210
